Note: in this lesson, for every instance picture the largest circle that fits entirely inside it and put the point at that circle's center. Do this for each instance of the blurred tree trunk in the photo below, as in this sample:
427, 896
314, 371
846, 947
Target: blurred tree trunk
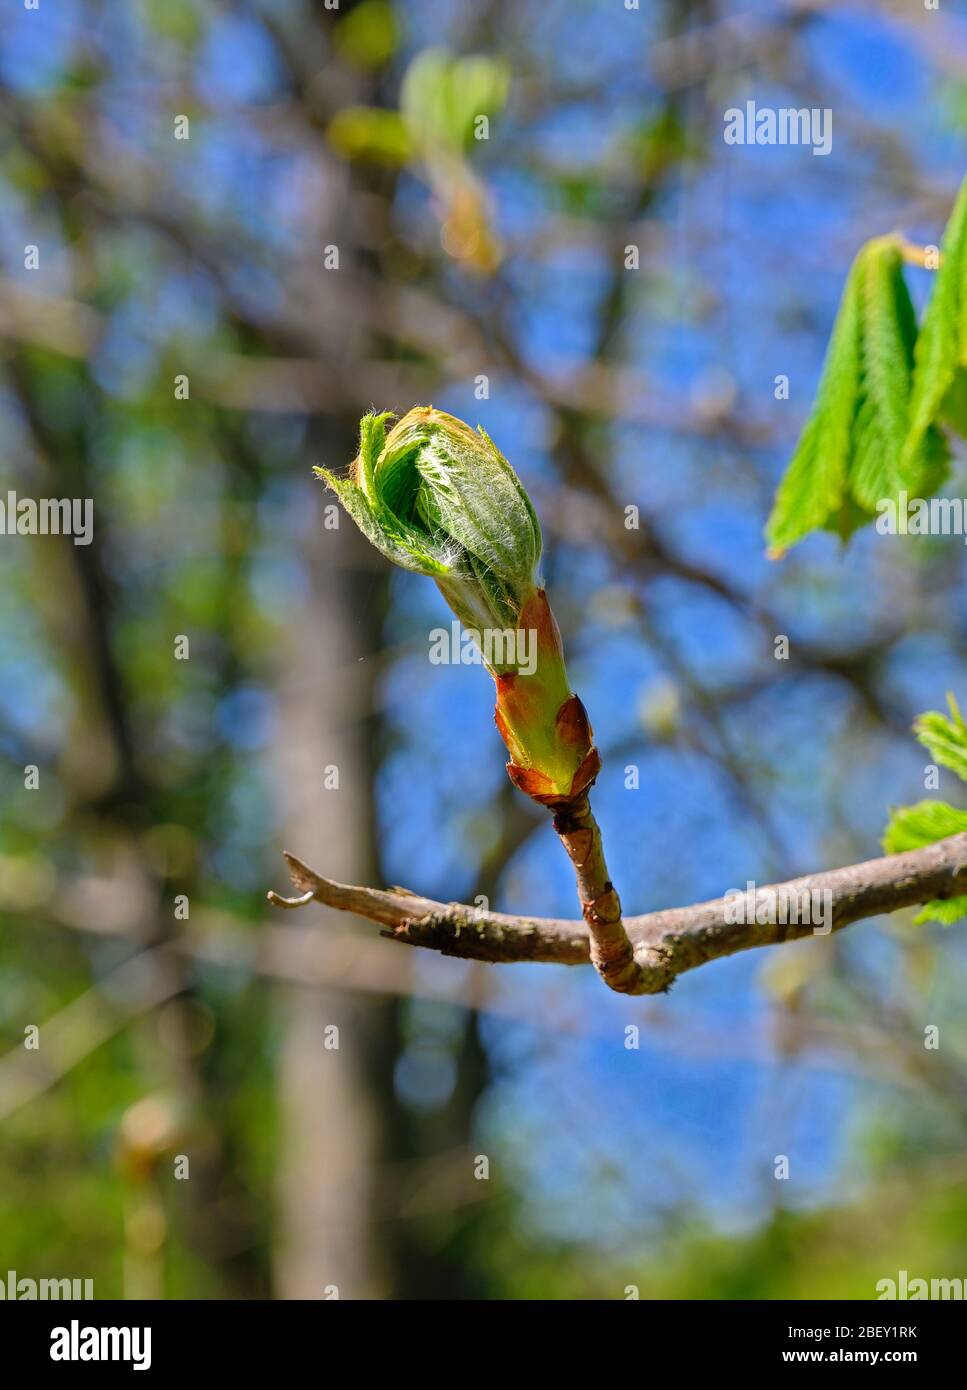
341, 1122
329, 1113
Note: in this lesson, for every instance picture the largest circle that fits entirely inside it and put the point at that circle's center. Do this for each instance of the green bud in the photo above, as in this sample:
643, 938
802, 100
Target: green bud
437, 497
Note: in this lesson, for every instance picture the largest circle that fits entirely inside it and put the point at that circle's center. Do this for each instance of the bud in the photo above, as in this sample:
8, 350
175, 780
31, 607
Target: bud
437, 497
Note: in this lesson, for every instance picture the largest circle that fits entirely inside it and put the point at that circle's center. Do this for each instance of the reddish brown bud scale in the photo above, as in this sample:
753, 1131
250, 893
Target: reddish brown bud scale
543, 724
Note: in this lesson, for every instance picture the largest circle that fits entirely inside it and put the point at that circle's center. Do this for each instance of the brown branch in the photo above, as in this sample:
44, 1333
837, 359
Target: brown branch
667, 943
611, 951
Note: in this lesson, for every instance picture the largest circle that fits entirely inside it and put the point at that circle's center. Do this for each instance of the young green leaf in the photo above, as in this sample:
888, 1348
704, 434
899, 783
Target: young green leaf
945, 739
878, 468
441, 97
814, 484
851, 456
912, 827
941, 352
953, 409
946, 911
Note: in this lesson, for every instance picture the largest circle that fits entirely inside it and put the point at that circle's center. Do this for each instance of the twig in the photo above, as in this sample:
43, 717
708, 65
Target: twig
612, 954
664, 944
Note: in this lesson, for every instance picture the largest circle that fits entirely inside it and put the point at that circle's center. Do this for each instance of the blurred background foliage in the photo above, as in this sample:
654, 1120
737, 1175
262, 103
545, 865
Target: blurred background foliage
335, 234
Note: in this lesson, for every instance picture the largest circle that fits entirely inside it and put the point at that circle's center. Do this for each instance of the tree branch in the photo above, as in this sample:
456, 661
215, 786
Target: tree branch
611, 950
665, 943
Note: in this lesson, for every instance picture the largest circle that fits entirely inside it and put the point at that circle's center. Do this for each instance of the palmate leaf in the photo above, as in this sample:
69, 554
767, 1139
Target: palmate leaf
881, 464
814, 484
441, 96
854, 452
953, 409
912, 827
945, 739
946, 911
939, 378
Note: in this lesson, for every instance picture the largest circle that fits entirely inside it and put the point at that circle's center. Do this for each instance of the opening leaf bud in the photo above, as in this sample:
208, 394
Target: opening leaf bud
435, 496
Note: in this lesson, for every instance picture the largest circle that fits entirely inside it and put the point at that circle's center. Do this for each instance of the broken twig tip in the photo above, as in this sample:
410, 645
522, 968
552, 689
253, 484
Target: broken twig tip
279, 901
